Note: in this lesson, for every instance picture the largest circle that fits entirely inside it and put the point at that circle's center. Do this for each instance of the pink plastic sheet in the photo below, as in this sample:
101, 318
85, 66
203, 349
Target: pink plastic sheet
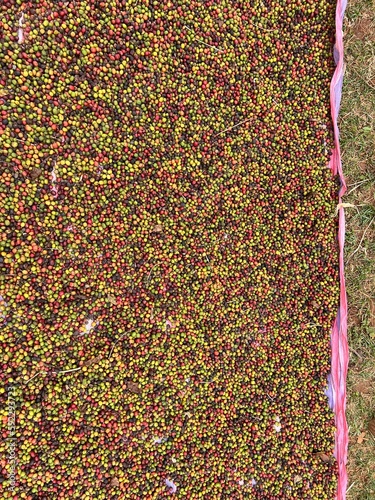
339, 344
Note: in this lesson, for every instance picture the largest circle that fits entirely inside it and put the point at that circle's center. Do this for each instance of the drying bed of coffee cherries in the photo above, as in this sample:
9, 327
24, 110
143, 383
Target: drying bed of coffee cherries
168, 259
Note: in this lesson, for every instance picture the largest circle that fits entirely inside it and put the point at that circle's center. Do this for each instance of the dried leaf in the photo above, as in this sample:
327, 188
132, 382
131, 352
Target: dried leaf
344, 205
361, 438
323, 457
364, 387
352, 440
92, 361
133, 387
157, 229
297, 479
115, 482
371, 426
81, 296
171, 323
111, 299
277, 427
362, 164
35, 173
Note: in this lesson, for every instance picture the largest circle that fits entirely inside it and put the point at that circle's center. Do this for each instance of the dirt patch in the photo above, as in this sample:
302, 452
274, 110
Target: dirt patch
364, 387
353, 316
364, 29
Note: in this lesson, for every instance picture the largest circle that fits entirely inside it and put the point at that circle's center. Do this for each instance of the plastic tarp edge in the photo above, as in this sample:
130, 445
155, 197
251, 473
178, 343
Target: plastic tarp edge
339, 344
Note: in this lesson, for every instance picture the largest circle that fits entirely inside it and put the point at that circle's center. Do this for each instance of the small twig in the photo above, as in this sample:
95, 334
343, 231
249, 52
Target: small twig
234, 126
118, 340
261, 27
356, 185
365, 294
359, 246
351, 486
363, 80
149, 274
37, 373
355, 352
201, 41
68, 371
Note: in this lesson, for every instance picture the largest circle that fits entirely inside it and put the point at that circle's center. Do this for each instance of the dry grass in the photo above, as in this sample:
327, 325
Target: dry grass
357, 126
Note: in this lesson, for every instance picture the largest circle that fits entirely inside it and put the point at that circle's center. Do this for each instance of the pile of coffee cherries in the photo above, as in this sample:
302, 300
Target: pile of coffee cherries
168, 258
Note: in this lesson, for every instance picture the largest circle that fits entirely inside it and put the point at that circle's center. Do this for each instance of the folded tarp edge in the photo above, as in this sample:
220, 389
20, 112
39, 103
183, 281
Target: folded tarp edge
339, 343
